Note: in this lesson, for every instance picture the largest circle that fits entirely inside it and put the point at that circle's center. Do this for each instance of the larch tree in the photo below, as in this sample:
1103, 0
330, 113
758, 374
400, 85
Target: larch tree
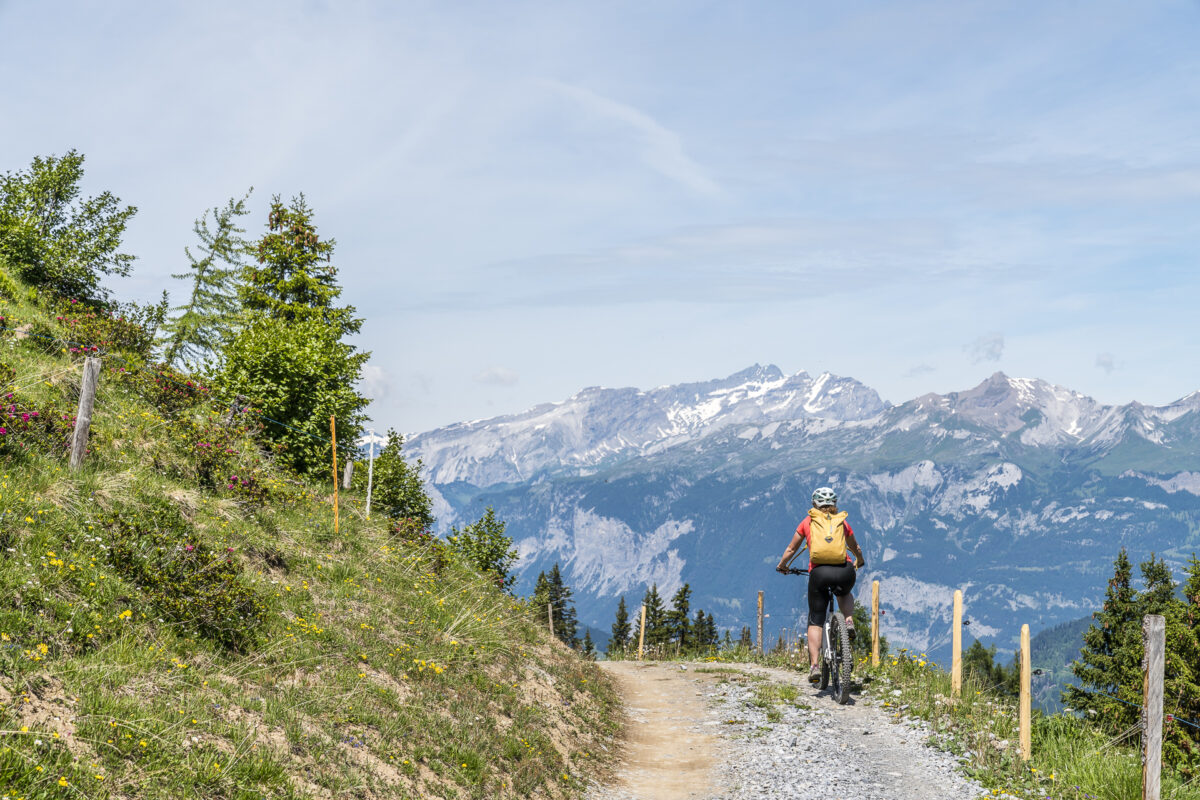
209, 317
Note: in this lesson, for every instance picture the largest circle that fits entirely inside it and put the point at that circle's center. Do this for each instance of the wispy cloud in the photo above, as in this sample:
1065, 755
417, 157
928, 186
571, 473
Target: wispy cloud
989, 347
1106, 362
661, 148
498, 376
918, 370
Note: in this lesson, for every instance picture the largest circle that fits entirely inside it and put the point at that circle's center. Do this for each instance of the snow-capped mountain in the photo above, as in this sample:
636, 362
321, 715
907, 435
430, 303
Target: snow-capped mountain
1017, 491
598, 426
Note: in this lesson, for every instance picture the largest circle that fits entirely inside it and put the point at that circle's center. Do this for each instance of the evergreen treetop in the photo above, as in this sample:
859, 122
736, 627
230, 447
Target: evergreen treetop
621, 629
677, 622
293, 278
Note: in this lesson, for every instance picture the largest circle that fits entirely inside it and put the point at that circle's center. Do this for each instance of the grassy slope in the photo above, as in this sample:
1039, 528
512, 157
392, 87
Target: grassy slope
380, 668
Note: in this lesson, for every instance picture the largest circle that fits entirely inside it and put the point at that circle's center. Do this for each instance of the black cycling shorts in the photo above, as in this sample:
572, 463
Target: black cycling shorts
820, 579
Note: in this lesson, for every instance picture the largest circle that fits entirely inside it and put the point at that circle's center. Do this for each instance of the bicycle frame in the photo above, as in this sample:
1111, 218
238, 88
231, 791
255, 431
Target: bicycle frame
828, 655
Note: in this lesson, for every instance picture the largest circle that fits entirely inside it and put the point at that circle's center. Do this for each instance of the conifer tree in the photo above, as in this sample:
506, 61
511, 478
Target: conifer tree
746, 639
558, 595
620, 630
208, 318
289, 357
293, 279
657, 632
1108, 664
588, 647
399, 490
710, 632
540, 599
727, 642
1181, 748
700, 631
678, 625
1189, 703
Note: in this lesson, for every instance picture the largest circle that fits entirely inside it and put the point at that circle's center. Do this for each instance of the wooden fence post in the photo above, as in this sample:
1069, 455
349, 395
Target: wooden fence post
370, 475
333, 433
348, 474
874, 623
83, 419
1025, 710
550, 617
642, 635
1154, 633
760, 622
956, 637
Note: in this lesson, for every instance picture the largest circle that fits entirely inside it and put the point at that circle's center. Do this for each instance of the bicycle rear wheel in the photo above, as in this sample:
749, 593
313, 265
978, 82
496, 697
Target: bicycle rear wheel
839, 642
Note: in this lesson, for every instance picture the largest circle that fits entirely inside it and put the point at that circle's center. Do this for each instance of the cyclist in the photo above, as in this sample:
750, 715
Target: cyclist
829, 566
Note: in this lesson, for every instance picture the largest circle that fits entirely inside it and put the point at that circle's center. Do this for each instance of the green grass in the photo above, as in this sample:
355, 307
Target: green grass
168, 639
1070, 758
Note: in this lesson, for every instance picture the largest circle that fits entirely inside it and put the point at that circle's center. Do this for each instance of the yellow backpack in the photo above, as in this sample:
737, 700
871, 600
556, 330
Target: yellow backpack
827, 537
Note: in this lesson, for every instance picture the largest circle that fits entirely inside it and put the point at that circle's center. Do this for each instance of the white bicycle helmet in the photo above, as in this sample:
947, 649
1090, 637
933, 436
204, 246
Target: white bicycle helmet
824, 497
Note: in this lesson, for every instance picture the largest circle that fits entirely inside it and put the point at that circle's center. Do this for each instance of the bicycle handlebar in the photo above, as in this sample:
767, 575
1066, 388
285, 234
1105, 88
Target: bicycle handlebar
794, 571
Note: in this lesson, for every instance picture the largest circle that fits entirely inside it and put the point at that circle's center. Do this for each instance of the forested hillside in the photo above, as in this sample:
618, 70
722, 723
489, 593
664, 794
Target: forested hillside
195, 611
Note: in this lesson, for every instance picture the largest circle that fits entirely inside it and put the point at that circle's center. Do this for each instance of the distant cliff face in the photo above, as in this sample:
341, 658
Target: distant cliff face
1019, 492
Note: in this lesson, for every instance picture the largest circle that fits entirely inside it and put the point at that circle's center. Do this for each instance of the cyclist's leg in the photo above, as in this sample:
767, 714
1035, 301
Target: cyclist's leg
845, 579
818, 600
815, 635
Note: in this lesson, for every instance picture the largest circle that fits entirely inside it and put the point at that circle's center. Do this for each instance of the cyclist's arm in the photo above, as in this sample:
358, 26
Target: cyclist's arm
797, 544
852, 545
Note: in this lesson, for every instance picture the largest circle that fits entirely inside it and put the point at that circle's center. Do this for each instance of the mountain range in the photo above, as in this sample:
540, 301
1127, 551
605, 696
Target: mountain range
1017, 491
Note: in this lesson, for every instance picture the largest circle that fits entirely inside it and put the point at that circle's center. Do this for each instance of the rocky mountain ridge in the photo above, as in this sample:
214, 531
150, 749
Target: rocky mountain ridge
1017, 491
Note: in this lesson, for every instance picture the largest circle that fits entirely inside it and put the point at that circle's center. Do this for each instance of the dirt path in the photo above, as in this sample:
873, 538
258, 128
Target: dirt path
697, 732
671, 752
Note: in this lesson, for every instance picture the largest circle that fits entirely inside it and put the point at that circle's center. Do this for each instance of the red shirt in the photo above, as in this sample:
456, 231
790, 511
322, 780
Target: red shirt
805, 529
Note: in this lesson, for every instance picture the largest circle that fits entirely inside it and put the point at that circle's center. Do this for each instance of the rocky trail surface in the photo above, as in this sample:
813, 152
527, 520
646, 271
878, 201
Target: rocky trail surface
702, 731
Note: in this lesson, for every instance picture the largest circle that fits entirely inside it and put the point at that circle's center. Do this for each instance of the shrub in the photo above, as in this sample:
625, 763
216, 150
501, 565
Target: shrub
483, 545
184, 578
172, 392
90, 329
25, 428
221, 456
398, 489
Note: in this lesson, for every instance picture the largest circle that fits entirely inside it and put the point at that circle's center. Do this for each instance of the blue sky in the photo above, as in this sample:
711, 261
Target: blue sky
530, 198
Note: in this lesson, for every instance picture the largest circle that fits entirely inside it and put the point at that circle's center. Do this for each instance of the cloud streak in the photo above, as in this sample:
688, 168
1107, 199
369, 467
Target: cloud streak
989, 347
498, 376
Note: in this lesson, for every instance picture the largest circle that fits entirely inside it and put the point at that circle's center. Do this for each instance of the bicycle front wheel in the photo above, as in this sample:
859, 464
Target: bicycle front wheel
839, 643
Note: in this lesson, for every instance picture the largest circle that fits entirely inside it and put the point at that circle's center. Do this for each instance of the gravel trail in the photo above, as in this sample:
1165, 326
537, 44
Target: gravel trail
696, 734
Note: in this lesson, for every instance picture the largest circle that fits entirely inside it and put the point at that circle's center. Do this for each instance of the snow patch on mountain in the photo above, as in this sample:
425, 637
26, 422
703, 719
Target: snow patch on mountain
607, 557
1182, 482
974, 496
922, 475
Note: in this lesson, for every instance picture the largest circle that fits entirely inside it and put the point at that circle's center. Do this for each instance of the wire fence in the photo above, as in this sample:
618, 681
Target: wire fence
113, 355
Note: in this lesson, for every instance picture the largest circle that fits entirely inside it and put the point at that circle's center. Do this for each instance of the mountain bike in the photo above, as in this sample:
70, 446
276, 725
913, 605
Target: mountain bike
837, 660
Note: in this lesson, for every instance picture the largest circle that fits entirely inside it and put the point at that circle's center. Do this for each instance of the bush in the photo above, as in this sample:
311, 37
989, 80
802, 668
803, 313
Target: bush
221, 457
26, 428
88, 329
184, 578
483, 545
173, 393
398, 489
